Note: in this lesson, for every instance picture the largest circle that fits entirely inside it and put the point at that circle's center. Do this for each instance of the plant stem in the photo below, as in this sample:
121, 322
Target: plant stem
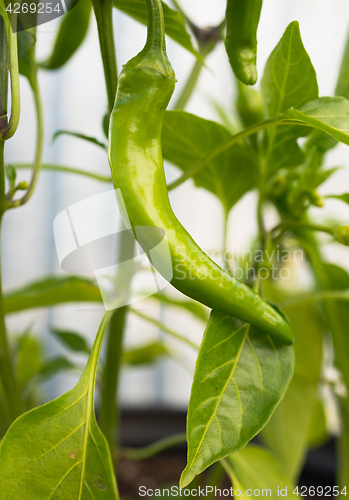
109, 417
225, 240
165, 329
64, 169
154, 448
207, 40
7, 376
104, 16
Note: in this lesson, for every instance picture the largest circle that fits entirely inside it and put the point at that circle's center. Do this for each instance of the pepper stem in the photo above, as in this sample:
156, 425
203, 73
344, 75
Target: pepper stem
154, 54
156, 26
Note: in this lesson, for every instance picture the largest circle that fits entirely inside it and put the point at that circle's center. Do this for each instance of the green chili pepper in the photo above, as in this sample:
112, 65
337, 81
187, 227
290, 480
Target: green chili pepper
242, 17
145, 87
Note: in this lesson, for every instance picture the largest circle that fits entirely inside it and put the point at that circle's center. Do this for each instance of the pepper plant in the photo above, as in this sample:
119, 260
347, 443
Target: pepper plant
249, 380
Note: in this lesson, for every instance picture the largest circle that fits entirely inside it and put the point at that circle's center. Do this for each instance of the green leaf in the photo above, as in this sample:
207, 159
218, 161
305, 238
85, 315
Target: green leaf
342, 87
57, 450
343, 197
186, 304
174, 24
187, 138
240, 377
329, 114
72, 32
289, 81
50, 292
258, 469
73, 340
287, 432
145, 354
78, 135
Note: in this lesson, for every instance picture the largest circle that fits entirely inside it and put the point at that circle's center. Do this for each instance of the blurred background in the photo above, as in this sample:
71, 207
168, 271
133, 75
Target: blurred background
74, 99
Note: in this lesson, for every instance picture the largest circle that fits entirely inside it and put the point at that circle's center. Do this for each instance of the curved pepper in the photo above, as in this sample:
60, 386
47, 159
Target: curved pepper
242, 17
145, 87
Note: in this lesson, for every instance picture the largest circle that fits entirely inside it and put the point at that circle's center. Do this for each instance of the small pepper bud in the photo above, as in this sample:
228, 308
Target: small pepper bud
341, 234
316, 199
22, 186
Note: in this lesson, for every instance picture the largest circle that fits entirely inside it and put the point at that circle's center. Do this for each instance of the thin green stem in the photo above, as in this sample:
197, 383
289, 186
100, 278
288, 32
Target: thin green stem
104, 16
165, 329
156, 26
64, 169
109, 417
278, 120
7, 376
154, 448
225, 240
189, 86
39, 144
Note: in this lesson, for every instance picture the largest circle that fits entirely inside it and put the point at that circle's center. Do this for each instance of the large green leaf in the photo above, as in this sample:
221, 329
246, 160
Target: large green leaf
186, 138
240, 377
57, 451
256, 469
71, 33
52, 291
287, 432
174, 24
289, 81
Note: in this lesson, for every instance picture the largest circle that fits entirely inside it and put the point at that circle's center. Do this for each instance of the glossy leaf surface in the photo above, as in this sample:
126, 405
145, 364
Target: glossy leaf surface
57, 451
240, 377
186, 138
